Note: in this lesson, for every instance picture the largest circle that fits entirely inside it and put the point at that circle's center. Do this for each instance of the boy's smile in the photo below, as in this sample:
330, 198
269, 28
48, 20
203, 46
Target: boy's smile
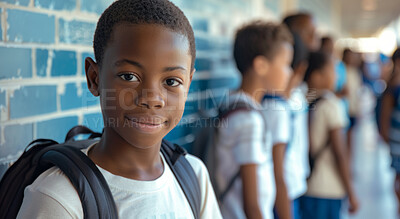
143, 82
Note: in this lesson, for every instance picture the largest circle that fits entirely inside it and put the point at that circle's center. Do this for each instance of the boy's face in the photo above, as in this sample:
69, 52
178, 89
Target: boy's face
280, 70
143, 82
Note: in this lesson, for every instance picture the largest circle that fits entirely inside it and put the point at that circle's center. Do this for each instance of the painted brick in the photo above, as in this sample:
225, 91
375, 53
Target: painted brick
56, 4
95, 5
94, 121
201, 64
18, 2
1, 26
64, 63
2, 97
42, 56
27, 26
201, 85
76, 32
33, 100
84, 55
55, 129
200, 25
177, 132
202, 44
3, 108
16, 138
75, 97
13, 67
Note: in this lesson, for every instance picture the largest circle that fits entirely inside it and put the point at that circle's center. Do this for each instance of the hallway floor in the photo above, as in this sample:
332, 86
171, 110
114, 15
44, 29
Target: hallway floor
373, 176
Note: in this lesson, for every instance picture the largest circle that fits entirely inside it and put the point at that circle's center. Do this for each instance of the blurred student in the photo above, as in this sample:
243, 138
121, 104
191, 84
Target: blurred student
278, 125
390, 119
262, 52
353, 85
327, 46
329, 182
296, 168
303, 25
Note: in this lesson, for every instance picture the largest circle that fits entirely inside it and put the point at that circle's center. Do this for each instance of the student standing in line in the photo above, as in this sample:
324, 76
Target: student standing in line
145, 53
390, 119
330, 181
263, 53
296, 168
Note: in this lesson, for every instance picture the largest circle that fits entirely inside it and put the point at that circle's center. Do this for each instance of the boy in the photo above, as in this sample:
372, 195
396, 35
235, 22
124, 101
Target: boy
390, 120
262, 52
329, 182
145, 52
296, 164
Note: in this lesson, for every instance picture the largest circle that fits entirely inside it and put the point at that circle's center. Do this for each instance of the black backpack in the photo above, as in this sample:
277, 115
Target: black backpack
204, 145
94, 193
312, 159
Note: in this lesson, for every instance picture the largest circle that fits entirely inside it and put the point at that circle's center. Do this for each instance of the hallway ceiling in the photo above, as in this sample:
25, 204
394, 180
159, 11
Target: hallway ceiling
363, 18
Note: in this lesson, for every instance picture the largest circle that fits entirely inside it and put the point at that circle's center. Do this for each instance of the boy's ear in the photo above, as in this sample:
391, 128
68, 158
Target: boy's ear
191, 75
92, 76
261, 65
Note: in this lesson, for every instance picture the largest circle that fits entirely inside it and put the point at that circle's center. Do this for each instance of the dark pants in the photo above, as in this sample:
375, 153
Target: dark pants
317, 208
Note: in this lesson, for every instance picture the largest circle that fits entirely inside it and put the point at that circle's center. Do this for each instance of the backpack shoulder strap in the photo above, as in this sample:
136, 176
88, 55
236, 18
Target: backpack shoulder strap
184, 173
94, 193
314, 158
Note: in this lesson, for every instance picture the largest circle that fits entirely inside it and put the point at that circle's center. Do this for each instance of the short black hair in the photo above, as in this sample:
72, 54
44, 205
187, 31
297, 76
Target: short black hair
300, 51
295, 21
316, 61
326, 39
346, 53
396, 55
258, 38
160, 12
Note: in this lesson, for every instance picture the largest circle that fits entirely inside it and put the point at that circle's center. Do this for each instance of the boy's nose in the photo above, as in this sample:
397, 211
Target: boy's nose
151, 99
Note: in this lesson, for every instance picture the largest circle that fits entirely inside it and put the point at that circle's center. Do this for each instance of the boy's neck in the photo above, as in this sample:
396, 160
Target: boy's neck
117, 156
252, 90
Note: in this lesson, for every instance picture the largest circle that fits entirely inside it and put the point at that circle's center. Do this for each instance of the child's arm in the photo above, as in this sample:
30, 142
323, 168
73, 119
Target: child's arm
252, 208
282, 202
384, 117
338, 146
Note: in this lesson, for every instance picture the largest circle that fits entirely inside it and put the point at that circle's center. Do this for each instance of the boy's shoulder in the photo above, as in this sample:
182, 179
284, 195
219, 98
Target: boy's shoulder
55, 185
330, 101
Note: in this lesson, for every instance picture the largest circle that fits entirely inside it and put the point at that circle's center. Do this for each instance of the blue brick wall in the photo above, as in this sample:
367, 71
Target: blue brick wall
56, 4
19, 136
77, 97
44, 43
76, 32
56, 128
33, 100
12, 67
64, 63
42, 56
1, 25
27, 26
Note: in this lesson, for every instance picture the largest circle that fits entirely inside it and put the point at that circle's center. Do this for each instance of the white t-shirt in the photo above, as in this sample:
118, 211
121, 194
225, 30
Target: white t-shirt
296, 158
277, 116
53, 196
241, 141
325, 181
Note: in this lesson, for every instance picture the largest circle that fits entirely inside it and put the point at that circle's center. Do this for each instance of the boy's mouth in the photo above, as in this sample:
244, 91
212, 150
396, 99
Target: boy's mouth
146, 124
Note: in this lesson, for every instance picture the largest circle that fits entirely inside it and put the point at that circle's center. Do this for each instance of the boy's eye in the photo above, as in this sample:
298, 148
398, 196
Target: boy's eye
172, 82
128, 77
